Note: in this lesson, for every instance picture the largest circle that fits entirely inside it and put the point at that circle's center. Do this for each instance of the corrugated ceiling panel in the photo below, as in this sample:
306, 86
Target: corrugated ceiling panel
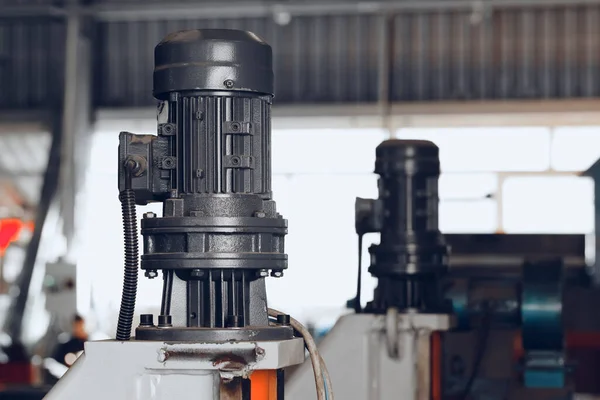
29, 2
316, 58
507, 54
512, 54
31, 62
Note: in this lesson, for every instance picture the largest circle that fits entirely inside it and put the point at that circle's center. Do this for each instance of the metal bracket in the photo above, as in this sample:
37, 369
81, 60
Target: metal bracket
237, 128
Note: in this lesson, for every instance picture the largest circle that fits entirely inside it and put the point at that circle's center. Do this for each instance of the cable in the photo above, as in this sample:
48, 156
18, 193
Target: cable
328, 385
484, 334
130, 278
322, 378
357, 305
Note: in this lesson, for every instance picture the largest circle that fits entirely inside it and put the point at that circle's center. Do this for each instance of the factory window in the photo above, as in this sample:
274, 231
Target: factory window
548, 204
317, 176
575, 148
487, 148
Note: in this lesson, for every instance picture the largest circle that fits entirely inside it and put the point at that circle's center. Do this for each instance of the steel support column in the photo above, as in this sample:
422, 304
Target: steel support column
594, 173
13, 324
71, 129
77, 118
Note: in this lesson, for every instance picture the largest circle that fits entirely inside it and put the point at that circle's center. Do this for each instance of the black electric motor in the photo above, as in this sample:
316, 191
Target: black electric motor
412, 256
210, 164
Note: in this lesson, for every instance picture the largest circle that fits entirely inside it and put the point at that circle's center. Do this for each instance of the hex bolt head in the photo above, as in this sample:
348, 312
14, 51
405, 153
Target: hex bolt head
151, 273
229, 83
149, 215
146, 320
277, 274
164, 321
260, 214
197, 273
263, 273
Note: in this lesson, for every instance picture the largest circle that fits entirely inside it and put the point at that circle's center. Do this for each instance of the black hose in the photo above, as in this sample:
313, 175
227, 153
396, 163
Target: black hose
357, 300
130, 278
484, 333
165, 307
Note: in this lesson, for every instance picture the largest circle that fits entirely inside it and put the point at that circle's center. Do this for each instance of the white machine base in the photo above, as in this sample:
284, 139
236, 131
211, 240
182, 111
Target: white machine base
357, 354
147, 370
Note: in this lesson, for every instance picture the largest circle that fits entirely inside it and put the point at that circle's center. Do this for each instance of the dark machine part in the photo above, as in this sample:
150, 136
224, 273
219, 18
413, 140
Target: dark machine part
412, 256
487, 273
210, 164
542, 324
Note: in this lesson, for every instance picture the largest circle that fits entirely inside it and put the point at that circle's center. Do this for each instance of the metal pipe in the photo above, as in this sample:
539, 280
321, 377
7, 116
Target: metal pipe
213, 10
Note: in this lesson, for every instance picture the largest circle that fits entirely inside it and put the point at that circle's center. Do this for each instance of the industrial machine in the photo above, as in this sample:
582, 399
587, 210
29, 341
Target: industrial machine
524, 328
385, 351
434, 317
219, 238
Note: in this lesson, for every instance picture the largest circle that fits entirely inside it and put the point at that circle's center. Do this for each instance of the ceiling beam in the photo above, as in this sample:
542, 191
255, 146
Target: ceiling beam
149, 10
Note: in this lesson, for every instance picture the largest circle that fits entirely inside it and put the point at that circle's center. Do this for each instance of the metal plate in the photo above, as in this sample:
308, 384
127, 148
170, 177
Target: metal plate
214, 335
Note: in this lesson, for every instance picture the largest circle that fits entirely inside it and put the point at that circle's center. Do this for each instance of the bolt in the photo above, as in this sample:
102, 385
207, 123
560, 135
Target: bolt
199, 115
149, 215
263, 273
260, 214
260, 351
168, 163
228, 83
235, 161
151, 274
173, 193
277, 274
197, 273
283, 319
235, 126
146, 320
167, 129
164, 321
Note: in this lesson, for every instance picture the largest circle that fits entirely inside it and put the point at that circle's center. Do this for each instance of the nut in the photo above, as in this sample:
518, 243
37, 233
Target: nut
149, 215
277, 274
151, 273
263, 273
197, 273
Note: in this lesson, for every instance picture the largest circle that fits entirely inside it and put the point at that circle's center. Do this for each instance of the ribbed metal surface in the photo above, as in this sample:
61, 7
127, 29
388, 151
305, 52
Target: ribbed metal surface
240, 161
510, 54
507, 54
317, 59
31, 62
446, 54
29, 2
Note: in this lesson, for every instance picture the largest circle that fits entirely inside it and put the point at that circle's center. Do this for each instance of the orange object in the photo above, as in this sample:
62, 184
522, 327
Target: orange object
263, 385
9, 232
436, 366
